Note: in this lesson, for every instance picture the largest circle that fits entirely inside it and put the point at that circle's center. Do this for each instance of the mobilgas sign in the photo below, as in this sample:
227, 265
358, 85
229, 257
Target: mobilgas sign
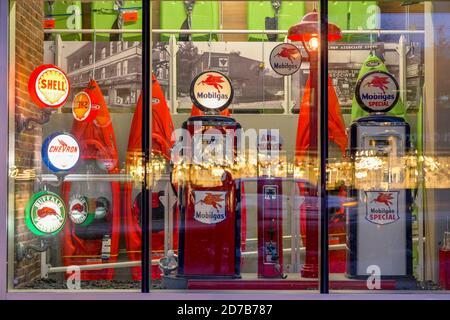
377, 91
60, 152
285, 59
45, 214
211, 91
210, 206
49, 86
382, 207
79, 210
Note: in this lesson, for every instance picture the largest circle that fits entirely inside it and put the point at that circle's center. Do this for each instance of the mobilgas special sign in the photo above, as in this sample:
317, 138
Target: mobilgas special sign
60, 152
211, 91
377, 91
382, 207
49, 86
210, 206
285, 59
45, 213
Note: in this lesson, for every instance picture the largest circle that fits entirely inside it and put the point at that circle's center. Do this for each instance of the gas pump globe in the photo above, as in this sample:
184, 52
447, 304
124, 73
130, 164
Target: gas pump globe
307, 31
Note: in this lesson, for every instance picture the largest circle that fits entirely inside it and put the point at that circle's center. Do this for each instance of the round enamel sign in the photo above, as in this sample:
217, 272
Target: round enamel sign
45, 214
211, 90
79, 210
377, 91
60, 152
82, 108
49, 86
285, 59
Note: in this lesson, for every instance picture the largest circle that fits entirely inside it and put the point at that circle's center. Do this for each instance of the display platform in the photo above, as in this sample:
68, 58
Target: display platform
294, 281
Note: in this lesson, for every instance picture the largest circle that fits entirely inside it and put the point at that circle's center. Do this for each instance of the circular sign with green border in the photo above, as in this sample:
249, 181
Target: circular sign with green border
45, 213
79, 210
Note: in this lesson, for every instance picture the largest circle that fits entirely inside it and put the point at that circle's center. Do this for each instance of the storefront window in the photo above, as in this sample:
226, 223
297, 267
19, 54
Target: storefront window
254, 181
72, 185
388, 86
236, 224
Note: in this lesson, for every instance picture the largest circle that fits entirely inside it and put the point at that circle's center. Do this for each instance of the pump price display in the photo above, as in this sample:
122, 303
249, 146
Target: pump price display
377, 91
211, 91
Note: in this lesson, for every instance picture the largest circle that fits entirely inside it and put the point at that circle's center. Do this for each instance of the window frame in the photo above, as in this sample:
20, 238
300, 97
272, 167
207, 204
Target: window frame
7, 103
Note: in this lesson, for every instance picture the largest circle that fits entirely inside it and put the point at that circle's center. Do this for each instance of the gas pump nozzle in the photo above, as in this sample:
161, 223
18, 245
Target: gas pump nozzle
169, 263
187, 24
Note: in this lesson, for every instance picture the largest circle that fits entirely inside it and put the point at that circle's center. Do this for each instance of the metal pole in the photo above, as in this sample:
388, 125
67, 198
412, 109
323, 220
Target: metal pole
323, 273
287, 90
128, 264
220, 31
7, 96
58, 56
173, 49
402, 68
146, 98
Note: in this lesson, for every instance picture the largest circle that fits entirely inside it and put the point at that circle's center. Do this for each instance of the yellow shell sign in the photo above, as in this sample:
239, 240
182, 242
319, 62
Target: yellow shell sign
49, 86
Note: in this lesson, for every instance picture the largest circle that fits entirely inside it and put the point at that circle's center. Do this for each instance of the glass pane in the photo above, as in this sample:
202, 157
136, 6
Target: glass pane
241, 191
72, 183
387, 176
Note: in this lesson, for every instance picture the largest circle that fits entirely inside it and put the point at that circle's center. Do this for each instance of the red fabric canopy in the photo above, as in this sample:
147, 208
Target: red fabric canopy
336, 126
162, 125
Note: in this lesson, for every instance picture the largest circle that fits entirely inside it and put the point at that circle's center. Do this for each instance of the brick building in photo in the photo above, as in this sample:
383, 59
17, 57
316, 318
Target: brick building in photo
116, 67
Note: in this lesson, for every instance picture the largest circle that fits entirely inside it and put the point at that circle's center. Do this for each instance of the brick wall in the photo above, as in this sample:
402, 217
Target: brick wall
29, 54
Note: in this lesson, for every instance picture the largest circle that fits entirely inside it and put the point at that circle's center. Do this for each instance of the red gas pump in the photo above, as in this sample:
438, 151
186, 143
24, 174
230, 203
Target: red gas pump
444, 262
270, 207
209, 239
209, 194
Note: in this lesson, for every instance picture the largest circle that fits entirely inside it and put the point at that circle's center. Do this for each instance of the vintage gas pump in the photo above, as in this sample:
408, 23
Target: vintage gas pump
270, 205
208, 194
444, 261
379, 225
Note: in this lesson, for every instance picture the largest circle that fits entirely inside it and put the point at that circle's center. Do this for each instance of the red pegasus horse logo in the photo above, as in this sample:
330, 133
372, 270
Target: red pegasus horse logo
212, 200
61, 142
212, 80
384, 198
46, 211
289, 53
379, 82
77, 207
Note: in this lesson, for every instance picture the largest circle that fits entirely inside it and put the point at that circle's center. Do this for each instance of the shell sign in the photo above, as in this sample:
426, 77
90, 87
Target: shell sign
49, 86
